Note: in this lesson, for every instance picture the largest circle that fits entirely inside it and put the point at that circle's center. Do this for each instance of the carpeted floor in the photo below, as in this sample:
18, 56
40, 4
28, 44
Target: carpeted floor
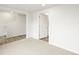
32, 47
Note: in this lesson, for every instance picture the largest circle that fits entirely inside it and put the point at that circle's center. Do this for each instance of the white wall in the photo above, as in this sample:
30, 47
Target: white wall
64, 27
32, 26
18, 26
35, 26
43, 25
13, 24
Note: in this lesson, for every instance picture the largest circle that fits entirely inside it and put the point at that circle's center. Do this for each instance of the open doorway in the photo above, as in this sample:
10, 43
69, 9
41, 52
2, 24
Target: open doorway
43, 27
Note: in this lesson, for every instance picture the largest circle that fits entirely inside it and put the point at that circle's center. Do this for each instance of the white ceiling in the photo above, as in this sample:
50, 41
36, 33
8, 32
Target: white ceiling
27, 7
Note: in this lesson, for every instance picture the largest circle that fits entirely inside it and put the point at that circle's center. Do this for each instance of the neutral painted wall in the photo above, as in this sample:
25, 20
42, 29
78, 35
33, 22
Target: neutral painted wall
18, 26
29, 25
32, 25
43, 30
12, 23
35, 26
64, 27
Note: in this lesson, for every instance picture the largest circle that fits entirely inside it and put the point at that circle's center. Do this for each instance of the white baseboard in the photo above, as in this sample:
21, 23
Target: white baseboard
73, 51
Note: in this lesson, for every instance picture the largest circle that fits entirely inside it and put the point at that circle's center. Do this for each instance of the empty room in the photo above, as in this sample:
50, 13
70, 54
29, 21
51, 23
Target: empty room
39, 29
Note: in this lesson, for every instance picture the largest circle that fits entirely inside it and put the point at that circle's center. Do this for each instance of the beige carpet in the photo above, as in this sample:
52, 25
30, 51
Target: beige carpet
31, 47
